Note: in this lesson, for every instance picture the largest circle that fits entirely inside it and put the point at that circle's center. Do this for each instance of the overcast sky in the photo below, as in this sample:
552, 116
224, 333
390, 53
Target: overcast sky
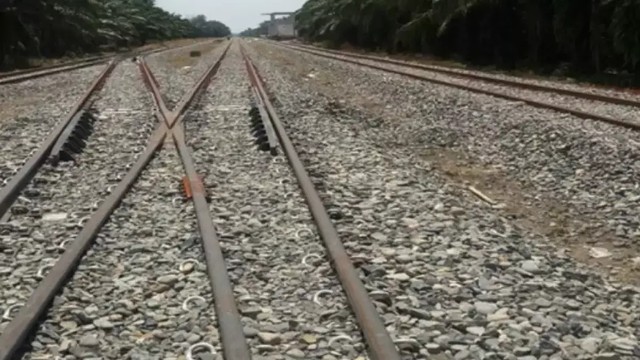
237, 14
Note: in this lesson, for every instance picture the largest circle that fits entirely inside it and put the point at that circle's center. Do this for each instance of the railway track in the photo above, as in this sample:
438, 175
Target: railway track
24, 317
28, 74
616, 110
62, 136
147, 285
23, 75
400, 212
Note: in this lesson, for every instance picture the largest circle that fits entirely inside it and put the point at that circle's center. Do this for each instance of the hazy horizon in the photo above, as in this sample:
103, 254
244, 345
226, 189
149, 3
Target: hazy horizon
237, 15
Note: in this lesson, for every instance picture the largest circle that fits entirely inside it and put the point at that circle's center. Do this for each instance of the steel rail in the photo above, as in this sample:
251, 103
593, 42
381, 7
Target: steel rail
27, 74
12, 189
535, 103
488, 78
234, 343
185, 102
381, 346
50, 67
18, 329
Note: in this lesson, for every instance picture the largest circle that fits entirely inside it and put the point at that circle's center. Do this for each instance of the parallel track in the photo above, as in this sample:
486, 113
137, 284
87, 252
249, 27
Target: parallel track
28, 74
484, 77
353, 59
24, 75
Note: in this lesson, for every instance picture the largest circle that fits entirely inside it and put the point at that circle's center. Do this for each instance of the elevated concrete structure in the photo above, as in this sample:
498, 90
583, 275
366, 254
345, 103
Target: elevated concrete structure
281, 28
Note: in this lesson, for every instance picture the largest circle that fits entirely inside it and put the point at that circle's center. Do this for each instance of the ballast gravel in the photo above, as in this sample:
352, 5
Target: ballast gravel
559, 83
142, 291
176, 82
53, 207
586, 168
456, 280
30, 109
266, 232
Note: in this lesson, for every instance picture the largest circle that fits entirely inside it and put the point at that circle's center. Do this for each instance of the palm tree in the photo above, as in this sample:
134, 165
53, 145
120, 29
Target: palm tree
590, 34
61, 27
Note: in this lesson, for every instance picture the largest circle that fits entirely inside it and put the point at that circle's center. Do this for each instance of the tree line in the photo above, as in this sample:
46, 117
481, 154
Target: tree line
54, 28
586, 35
261, 29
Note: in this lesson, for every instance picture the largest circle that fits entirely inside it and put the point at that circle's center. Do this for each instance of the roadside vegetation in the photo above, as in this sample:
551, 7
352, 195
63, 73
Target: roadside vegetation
566, 36
55, 28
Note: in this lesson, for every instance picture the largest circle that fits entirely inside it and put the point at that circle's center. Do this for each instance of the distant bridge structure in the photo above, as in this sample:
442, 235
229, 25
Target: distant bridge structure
281, 28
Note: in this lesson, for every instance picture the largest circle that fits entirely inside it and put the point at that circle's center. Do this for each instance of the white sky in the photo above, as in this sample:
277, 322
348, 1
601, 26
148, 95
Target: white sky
237, 14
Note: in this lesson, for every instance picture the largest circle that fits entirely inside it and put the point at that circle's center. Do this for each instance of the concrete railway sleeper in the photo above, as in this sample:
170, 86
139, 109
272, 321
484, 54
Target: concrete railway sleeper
331, 246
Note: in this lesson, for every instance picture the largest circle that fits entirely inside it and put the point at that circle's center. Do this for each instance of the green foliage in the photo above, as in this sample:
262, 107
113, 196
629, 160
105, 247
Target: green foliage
209, 28
590, 35
262, 29
53, 28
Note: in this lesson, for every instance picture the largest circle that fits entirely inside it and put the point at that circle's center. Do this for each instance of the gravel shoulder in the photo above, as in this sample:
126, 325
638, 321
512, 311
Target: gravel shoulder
461, 278
570, 179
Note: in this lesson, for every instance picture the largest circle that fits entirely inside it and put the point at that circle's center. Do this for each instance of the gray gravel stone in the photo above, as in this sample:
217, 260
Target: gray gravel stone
265, 229
114, 295
366, 169
89, 341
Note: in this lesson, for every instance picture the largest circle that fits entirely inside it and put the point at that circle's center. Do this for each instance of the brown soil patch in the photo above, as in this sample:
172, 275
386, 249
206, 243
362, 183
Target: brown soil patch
539, 214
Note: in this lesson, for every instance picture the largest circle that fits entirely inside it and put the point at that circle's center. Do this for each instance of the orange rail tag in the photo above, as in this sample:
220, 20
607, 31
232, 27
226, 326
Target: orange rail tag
190, 187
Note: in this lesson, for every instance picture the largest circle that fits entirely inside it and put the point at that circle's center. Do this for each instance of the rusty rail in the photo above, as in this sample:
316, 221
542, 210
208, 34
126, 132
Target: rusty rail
32, 74
234, 343
482, 77
18, 329
27, 74
535, 103
12, 189
381, 346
